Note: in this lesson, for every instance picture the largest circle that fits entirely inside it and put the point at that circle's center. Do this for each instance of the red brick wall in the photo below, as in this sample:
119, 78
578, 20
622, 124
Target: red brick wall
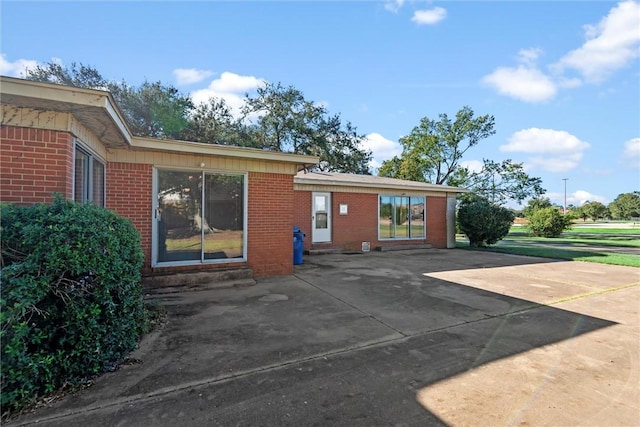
34, 164
302, 214
437, 221
129, 194
361, 222
270, 234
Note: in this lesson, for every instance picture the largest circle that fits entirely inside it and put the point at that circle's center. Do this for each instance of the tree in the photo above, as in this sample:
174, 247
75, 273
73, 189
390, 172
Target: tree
535, 204
283, 120
548, 222
341, 148
77, 75
626, 206
213, 123
499, 181
287, 122
484, 223
152, 109
433, 150
594, 210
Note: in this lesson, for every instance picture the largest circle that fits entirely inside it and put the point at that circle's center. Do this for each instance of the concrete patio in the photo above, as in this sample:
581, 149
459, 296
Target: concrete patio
407, 338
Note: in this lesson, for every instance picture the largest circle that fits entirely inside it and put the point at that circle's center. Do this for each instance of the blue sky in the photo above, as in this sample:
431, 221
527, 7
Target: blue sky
560, 77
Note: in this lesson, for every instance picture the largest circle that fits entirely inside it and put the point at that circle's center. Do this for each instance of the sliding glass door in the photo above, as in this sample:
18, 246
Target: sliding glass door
198, 217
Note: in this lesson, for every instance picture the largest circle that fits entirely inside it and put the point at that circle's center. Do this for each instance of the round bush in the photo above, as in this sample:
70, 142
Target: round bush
548, 222
483, 222
71, 304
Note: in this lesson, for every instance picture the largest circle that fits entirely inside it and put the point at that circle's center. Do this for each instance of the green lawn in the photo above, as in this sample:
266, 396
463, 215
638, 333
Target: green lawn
585, 230
560, 253
577, 241
569, 246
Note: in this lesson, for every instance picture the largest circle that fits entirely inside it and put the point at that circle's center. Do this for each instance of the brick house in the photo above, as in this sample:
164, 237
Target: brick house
202, 207
345, 212
196, 206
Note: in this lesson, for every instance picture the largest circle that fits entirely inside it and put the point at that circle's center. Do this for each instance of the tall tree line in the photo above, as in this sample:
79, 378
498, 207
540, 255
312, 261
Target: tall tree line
281, 118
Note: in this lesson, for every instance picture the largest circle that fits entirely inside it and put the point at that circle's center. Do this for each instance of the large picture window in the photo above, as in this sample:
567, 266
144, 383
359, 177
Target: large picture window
200, 217
88, 178
401, 217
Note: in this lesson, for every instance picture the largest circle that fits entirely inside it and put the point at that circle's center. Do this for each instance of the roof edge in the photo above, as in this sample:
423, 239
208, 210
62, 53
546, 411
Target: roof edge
179, 146
415, 185
69, 95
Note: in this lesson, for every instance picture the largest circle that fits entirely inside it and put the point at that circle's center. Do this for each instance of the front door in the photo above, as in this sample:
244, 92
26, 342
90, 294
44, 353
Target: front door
321, 217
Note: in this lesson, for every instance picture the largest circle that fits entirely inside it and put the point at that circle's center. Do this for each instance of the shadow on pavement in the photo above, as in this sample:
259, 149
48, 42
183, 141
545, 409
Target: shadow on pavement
348, 340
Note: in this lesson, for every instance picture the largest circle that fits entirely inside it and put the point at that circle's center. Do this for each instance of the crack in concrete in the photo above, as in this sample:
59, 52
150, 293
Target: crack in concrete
367, 314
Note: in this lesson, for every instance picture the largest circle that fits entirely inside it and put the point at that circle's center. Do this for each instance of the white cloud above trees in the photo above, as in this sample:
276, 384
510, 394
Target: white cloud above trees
229, 86
381, 148
550, 150
524, 83
187, 76
632, 153
16, 68
610, 45
576, 198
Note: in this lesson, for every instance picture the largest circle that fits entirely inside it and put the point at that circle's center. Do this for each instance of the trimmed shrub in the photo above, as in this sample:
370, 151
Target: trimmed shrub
483, 222
71, 303
548, 222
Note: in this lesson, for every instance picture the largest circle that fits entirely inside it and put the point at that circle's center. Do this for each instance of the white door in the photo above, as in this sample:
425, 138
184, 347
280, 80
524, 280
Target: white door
321, 217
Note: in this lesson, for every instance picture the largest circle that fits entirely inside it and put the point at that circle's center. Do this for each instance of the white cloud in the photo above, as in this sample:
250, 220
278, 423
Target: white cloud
187, 76
17, 68
580, 197
611, 44
529, 56
229, 86
557, 163
554, 150
472, 165
632, 153
381, 148
524, 83
393, 5
430, 16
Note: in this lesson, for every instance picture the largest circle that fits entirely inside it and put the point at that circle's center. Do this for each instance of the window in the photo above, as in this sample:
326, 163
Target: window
88, 178
200, 217
401, 217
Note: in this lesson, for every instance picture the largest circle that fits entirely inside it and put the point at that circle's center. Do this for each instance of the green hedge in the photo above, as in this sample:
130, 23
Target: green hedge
71, 302
548, 222
483, 222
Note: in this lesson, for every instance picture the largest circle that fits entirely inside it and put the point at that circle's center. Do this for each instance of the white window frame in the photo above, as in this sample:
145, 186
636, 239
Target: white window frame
424, 217
154, 211
87, 191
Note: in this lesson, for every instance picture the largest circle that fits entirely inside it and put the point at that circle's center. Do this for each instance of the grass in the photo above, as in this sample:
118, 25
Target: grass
585, 230
213, 242
617, 241
576, 247
562, 253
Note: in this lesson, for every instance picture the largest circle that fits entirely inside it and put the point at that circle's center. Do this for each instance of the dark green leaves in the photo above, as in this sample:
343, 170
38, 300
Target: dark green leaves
71, 302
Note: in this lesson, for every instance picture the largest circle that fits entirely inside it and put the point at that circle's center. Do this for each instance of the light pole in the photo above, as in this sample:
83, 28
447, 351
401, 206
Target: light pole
565, 195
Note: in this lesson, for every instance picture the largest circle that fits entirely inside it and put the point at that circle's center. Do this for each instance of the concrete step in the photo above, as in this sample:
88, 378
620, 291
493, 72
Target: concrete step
198, 281
323, 251
403, 247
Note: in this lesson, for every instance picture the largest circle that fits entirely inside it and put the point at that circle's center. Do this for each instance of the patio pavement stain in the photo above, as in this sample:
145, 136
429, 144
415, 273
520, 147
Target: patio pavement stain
383, 339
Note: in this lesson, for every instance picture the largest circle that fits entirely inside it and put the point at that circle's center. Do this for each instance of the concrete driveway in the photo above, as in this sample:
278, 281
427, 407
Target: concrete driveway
408, 338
